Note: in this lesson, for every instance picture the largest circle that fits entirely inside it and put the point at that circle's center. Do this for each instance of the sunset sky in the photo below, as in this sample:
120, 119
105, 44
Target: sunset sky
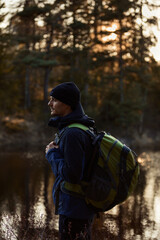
156, 29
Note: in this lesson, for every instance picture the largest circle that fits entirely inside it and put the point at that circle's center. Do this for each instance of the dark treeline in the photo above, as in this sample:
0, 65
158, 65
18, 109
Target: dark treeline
102, 46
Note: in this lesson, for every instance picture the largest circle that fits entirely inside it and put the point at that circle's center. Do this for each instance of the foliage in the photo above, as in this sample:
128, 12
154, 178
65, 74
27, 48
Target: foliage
100, 45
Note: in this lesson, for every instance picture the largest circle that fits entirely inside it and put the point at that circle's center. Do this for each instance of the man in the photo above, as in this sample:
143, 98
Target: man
69, 159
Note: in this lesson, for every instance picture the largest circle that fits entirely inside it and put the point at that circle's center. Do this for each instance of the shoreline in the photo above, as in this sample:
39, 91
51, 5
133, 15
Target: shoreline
29, 135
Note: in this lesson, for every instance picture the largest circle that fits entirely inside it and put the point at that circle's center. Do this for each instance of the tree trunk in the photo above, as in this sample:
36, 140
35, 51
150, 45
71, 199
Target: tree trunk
45, 89
46, 81
143, 70
27, 90
121, 64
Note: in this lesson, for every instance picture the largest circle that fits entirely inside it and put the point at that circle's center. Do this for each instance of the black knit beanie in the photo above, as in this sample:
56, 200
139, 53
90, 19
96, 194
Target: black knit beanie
67, 93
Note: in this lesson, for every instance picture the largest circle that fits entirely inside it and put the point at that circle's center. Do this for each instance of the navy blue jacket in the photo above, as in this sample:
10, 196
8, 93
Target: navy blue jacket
70, 161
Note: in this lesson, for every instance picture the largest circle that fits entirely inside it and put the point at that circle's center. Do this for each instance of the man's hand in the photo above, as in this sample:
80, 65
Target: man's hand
51, 145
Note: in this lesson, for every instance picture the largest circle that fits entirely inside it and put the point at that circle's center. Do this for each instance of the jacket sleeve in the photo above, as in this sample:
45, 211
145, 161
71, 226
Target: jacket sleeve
55, 159
72, 168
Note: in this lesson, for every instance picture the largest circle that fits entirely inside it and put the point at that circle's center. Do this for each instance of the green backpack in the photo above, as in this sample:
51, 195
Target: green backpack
113, 173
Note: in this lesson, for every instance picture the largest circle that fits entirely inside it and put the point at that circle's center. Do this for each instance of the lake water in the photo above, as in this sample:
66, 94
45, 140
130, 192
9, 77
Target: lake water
27, 210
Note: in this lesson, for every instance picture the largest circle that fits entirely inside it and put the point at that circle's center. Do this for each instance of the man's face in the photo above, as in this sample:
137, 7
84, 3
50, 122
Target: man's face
58, 108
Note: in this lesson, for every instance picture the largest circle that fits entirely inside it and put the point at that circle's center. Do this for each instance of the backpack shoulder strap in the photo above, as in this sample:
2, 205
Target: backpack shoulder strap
59, 135
78, 125
90, 131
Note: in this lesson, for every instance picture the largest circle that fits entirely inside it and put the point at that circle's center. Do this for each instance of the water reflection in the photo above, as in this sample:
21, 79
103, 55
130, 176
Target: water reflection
26, 207
27, 210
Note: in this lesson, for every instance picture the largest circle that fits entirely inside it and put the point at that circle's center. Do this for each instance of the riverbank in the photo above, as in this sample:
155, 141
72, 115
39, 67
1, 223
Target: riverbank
17, 134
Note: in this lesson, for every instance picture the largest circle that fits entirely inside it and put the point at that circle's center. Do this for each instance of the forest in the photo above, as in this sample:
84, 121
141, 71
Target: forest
103, 46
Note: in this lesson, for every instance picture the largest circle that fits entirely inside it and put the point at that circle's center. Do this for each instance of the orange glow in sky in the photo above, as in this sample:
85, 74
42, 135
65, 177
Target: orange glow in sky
111, 29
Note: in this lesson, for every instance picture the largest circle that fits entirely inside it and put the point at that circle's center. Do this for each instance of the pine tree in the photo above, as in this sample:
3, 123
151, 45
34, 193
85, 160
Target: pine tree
24, 29
7, 86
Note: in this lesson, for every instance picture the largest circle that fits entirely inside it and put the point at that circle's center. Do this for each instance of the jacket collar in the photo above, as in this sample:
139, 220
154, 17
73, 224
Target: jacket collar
77, 116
